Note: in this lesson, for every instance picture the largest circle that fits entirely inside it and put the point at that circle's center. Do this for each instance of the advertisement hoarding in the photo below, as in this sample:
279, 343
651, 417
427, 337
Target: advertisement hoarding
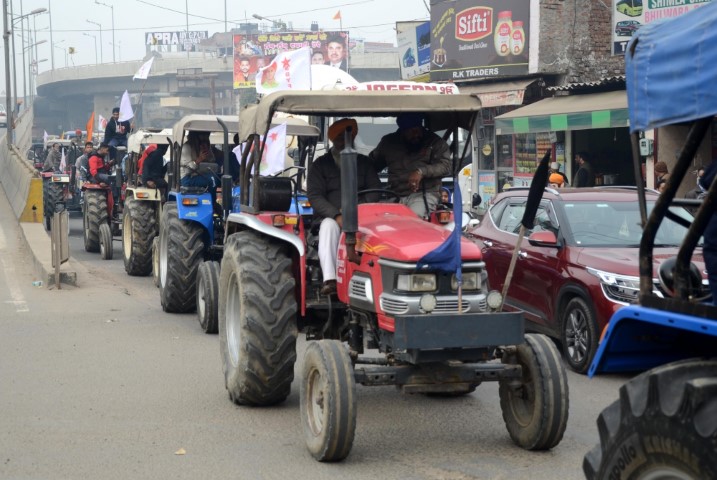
473, 39
164, 41
629, 15
252, 52
414, 48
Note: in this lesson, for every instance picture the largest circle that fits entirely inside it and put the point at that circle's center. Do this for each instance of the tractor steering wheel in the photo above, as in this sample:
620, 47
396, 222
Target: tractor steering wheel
385, 194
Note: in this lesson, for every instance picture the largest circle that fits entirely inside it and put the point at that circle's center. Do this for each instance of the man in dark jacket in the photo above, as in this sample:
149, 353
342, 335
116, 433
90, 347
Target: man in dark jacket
324, 192
585, 176
154, 169
417, 160
116, 132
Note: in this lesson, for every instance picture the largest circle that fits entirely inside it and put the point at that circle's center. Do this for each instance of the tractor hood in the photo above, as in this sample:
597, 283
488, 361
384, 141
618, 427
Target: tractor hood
394, 232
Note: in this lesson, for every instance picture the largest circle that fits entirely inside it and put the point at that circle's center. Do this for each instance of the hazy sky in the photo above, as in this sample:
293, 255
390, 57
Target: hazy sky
373, 20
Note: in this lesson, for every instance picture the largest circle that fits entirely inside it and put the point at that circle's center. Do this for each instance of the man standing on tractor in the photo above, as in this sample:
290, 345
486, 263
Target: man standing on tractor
417, 160
116, 132
99, 170
324, 192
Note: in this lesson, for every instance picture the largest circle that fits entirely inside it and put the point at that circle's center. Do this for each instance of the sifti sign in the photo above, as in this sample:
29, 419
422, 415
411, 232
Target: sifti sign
472, 39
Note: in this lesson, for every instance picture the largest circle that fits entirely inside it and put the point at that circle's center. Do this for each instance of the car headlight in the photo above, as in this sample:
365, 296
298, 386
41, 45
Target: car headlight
619, 288
416, 282
471, 281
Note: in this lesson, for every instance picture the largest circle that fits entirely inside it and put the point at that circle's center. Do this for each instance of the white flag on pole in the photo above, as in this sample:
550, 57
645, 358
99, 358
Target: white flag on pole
63, 161
44, 137
143, 71
102, 123
272, 160
288, 71
125, 108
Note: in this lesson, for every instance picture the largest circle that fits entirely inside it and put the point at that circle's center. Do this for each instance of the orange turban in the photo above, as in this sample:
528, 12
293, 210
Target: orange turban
556, 178
339, 127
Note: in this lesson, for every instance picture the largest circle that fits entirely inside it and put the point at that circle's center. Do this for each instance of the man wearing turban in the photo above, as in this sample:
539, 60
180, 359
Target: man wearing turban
417, 160
324, 192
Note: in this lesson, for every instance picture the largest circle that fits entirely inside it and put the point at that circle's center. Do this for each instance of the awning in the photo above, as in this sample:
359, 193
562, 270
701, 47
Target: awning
498, 94
573, 112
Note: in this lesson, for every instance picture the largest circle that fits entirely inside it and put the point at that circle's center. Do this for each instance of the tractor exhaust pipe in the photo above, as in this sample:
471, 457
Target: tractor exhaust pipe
349, 195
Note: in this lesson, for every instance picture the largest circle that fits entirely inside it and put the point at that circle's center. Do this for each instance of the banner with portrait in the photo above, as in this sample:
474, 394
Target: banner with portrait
253, 52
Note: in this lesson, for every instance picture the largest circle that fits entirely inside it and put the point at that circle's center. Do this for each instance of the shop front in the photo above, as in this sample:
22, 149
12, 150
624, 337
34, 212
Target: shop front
596, 123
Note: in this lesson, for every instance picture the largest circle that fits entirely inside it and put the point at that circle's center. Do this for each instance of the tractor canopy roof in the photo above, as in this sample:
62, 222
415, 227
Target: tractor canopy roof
442, 111
294, 125
204, 123
146, 136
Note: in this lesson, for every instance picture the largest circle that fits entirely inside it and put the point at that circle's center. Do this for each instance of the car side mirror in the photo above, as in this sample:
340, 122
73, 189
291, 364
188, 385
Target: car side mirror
543, 239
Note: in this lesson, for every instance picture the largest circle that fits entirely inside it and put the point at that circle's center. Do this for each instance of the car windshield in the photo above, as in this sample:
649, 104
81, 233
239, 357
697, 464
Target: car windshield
617, 224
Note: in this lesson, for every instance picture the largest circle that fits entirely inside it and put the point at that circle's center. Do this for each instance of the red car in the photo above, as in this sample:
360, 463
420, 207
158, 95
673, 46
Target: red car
579, 263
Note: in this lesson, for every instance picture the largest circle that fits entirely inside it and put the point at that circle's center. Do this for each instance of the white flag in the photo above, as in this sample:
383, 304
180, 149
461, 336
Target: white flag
44, 137
288, 71
63, 161
143, 71
125, 108
272, 160
102, 123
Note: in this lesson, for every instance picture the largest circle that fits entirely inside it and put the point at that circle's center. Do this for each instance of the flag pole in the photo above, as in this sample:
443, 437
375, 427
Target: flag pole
139, 100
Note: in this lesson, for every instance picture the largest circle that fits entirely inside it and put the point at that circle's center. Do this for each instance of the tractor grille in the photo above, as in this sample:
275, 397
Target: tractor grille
393, 306
450, 306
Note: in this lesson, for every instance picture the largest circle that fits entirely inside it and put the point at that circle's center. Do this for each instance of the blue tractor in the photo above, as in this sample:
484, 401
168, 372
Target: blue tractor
665, 423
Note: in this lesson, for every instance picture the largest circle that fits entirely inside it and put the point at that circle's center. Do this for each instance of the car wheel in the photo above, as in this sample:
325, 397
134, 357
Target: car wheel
579, 334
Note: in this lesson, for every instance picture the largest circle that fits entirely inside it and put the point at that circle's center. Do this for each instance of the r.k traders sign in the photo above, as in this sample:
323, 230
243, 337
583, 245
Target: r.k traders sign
473, 39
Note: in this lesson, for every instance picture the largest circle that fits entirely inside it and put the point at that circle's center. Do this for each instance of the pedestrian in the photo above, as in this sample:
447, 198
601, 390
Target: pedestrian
324, 193
556, 180
585, 176
417, 160
116, 132
555, 168
661, 172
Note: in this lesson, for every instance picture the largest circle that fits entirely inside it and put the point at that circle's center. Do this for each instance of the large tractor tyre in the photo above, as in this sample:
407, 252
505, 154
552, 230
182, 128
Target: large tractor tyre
181, 250
663, 426
155, 261
139, 228
52, 194
94, 214
328, 400
535, 407
208, 296
579, 334
257, 319
106, 247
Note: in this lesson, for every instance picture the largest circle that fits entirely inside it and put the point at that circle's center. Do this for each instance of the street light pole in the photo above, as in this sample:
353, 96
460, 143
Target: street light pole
52, 50
95, 38
113, 27
102, 60
8, 90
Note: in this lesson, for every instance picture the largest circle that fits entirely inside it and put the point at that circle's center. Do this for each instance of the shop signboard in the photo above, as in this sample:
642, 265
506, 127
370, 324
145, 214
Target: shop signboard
252, 52
473, 39
486, 187
629, 15
414, 47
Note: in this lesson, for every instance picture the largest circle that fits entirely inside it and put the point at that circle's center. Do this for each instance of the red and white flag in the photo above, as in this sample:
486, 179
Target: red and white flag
272, 160
143, 71
102, 123
288, 71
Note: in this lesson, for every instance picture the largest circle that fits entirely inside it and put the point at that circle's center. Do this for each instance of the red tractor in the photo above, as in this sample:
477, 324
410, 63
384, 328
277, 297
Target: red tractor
391, 322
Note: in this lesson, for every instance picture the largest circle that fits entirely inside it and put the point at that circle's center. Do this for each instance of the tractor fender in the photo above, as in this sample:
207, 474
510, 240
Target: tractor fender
239, 221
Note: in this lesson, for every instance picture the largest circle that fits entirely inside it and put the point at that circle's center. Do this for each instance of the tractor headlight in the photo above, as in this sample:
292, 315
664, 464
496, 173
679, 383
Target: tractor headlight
471, 281
416, 282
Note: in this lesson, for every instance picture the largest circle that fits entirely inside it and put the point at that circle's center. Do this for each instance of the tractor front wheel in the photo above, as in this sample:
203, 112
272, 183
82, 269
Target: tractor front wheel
535, 407
208, 296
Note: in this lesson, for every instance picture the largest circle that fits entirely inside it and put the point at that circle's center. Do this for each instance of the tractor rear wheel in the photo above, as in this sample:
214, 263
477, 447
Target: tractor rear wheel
257, 319
663, 426
535, 407
52, 194
106, 248
208, 296
181, 250
139, 227
328, 400
94, 214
